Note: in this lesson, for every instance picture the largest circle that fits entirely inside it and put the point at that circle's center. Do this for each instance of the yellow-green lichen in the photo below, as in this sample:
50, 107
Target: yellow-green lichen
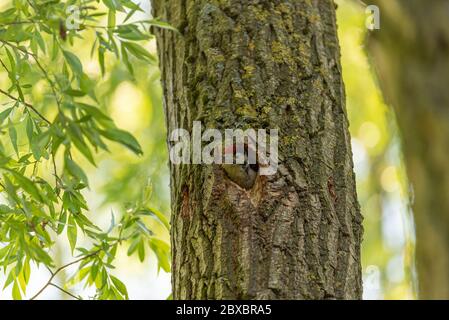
282, 53
259, 13
249, 71
246, 110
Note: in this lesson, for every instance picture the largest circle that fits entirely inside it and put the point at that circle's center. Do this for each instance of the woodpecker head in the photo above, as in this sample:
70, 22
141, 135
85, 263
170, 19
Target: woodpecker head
244, 174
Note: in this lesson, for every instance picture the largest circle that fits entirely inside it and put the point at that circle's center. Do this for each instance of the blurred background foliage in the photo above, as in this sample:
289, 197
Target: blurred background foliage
136, 106
382, 186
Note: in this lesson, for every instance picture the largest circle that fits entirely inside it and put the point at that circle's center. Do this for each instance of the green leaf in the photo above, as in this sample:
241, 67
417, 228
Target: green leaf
55, 48
101, 59
156, 213
13, 136
72, 233
74, 92
126, 60
111, 19
110, 4
15, 33
131, 5
120, 286
82, 146
93, 111
139, 52
86, 84
12, 62
77, 277
133, 247
4, 114
162, 251
26, 270
161, 24
141, 250
40, 41
27, 185
76, 171
61, 222
131, 32
130, 14
124, 138
22, 282
16, 292
147, 192
10, 279
29, 129
39, 143
74, 62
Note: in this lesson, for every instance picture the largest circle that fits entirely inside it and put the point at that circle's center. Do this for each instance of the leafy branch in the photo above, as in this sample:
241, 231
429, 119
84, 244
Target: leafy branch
26, 104
54, 273
38, 54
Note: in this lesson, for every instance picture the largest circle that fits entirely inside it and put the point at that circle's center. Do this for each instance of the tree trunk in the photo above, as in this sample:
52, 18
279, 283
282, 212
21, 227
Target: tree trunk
273, 65
411, 55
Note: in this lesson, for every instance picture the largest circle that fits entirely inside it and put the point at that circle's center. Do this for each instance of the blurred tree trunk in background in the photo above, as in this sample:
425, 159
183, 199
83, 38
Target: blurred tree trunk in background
261, 64
411, 55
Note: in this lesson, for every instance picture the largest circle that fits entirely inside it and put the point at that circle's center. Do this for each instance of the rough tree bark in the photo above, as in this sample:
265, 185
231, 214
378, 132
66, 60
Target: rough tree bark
261, 64
411, 56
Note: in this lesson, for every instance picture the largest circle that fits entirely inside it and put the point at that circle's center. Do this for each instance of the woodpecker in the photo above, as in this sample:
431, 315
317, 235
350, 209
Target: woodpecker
242, 174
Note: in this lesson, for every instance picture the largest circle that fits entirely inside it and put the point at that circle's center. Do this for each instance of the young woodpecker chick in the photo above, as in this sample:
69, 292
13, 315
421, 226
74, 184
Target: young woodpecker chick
242, 174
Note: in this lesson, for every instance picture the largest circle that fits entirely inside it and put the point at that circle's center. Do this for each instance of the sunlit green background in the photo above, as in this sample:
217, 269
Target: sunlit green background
388, 264
388, 246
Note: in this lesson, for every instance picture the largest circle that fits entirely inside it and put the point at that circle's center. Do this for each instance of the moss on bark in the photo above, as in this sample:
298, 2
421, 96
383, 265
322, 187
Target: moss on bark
273, 65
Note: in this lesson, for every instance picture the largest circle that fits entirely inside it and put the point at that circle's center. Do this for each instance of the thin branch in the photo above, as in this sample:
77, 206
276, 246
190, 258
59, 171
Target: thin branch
55, 171
53, 274
4, 66
49, 270
65, 291
26, 104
